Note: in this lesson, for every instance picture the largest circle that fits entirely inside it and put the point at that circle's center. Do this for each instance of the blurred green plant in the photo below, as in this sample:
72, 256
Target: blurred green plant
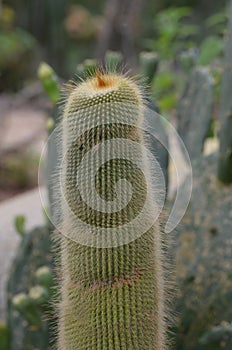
18, 171
13, 45
30, 293
219, 337
17, 47
217, 22
164, 89
148, 63
7, 17
81, 24
181, 48
210, 49
19, 223
4, 335
173, 34
49, 80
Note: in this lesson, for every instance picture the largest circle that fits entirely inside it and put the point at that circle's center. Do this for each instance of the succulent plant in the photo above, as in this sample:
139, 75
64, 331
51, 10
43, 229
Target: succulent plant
204, 254
112, 293
225, 152
29, 293
204, 249
194, 111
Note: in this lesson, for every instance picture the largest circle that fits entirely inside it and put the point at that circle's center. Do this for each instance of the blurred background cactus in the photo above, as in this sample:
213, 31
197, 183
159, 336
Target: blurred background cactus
17, 48
204, 248
30, 288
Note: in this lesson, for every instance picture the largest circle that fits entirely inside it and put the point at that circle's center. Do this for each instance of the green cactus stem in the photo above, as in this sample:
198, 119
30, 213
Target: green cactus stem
44, 277
194, 111
111, 297
24, 304
113, 60
225, 151
87, 67
49, 80
148, 65
19, 223
4, 336
39, 295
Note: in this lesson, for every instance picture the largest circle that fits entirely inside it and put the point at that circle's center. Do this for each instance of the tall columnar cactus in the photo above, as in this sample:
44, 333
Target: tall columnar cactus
111, 293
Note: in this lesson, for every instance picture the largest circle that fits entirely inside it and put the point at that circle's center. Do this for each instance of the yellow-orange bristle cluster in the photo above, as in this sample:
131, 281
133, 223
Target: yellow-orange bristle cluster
101, 80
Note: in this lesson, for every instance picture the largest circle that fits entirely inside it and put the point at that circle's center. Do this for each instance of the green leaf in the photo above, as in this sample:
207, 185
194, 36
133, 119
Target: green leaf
211, 48
171, 31
216, 19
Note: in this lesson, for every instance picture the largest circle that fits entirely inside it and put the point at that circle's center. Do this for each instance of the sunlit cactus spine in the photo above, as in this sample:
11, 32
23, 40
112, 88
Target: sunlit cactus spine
112, 297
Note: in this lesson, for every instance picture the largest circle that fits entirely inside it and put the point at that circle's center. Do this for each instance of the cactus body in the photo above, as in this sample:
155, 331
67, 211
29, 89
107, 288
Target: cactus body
111, 297
49, 81
148, 65
195, 111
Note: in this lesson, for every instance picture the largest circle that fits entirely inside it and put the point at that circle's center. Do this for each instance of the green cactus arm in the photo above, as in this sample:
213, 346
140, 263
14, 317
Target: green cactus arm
44, 277
225, 151
113, 59
148, 65
49, 80
87, 67
24, 304
19, 222
111, 297
194, 111
50, 124
39, 295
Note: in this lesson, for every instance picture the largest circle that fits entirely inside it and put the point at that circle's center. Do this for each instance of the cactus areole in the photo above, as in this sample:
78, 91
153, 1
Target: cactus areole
112, 294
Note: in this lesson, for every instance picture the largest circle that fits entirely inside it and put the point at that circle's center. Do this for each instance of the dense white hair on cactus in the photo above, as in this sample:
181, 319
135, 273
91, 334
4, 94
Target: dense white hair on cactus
106, 288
